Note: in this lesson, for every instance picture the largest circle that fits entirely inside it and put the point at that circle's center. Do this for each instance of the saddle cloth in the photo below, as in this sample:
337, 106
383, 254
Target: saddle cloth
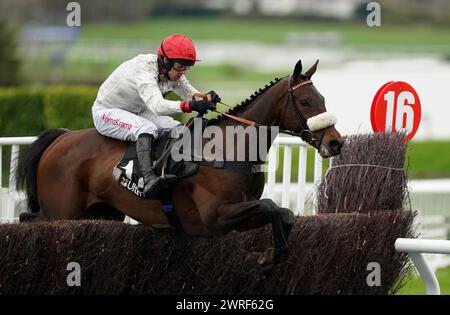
128, 174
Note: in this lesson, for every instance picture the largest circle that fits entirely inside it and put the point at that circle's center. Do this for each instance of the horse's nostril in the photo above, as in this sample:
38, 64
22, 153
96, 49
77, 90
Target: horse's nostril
336, 145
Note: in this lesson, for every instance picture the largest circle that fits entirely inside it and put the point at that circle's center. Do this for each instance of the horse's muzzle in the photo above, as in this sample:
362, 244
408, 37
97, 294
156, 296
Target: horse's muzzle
336, 146
331, 149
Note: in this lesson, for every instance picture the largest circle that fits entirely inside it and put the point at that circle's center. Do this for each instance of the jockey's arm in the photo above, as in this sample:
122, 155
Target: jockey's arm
153, 98
184, 89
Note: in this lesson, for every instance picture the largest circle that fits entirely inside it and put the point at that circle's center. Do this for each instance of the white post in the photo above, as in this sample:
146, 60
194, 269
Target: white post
272, 171
301, 184
415, 248
317, 178
317, 168
426, 273
286, 176
12, 183
1, 168
8, 195
1, 185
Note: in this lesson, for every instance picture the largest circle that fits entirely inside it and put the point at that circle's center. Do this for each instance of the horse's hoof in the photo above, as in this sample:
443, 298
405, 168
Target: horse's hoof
252, 264
266, 258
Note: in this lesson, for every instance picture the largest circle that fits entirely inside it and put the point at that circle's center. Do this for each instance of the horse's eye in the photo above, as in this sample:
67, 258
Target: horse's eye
304, 102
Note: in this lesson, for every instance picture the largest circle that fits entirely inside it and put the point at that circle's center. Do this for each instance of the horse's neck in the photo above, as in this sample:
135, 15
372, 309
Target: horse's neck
263, 111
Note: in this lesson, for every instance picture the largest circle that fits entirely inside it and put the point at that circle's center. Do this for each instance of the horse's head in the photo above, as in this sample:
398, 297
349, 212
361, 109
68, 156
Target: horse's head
303, 112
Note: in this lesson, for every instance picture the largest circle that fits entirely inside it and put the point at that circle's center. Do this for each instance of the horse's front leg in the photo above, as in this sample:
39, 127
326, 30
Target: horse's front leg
244, 216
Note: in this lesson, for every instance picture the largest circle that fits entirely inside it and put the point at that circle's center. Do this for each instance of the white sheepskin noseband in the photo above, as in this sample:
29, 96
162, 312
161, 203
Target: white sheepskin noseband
321, 121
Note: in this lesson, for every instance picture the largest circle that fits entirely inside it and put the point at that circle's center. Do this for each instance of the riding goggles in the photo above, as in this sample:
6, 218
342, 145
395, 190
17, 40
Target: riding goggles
179, 67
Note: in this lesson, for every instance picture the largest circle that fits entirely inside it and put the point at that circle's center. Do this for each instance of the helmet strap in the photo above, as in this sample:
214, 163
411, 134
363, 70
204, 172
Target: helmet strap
164, 64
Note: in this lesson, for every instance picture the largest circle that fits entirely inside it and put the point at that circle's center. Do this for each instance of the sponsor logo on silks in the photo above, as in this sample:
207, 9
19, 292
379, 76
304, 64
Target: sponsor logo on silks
128, 184
117, 122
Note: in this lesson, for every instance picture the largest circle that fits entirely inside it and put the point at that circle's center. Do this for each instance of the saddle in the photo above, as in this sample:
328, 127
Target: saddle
128, 173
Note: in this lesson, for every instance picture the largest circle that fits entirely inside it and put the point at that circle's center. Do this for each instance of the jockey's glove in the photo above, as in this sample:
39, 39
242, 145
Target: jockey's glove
214, 97
201, 106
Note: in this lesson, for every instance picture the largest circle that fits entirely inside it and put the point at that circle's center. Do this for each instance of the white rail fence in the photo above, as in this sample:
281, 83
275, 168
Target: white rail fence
290, 194
298, 195
416, 249
9, 197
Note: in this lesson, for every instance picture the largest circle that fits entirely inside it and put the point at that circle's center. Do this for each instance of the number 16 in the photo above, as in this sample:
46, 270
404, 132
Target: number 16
405, 101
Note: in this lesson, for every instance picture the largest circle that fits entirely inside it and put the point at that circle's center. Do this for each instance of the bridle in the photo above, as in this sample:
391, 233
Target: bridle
305, 134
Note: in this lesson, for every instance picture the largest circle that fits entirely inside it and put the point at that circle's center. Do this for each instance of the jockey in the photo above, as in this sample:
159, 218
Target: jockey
130, 104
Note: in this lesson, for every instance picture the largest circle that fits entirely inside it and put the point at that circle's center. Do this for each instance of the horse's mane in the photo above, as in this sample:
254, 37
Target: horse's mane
238, 108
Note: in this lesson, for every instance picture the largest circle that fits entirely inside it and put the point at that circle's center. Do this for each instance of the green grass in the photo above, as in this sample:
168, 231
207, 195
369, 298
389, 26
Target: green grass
92, 72
415, 286
429, 159
405, 37
6, 158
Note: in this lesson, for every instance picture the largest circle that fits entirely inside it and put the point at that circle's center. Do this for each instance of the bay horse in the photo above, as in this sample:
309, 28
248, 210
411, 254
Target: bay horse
68, 175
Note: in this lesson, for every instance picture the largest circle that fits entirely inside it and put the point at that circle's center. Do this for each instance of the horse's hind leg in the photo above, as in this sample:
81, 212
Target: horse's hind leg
61, 202
248, 215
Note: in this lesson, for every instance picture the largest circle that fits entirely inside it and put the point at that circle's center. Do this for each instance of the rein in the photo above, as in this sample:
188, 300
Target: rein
239, 119
306, 134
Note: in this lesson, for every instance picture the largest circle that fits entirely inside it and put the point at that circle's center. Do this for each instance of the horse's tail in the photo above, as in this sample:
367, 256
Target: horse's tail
26, 171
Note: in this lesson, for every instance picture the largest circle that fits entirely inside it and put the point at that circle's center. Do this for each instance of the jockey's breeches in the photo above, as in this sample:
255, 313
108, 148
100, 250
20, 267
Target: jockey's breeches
127, 126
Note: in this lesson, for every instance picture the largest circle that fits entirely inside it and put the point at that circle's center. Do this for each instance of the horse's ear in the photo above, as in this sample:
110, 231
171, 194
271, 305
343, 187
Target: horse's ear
297, 70
312, 70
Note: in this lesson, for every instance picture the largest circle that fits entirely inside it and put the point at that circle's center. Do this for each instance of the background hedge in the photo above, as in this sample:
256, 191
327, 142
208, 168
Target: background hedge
29, 111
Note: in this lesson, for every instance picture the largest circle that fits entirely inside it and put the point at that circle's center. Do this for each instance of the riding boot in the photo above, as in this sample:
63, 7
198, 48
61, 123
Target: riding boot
143, 150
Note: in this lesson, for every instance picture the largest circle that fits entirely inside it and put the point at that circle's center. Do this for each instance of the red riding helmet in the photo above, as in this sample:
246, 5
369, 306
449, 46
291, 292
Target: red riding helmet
178, 47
